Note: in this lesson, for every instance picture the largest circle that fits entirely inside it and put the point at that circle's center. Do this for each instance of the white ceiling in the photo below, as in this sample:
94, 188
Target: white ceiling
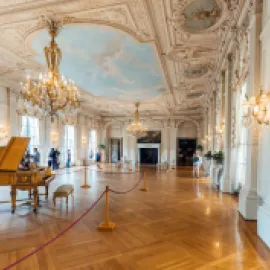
185, 35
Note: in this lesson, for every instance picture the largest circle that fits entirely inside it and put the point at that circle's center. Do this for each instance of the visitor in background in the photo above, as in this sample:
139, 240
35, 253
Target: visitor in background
98, 158
50, 158
36, 157
54, 159
197, 161
27, 159
57, 155
68, 158
91, 155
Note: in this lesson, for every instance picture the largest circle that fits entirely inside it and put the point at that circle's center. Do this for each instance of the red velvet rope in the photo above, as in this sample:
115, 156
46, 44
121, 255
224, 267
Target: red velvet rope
57, 236
125, 192
70, 226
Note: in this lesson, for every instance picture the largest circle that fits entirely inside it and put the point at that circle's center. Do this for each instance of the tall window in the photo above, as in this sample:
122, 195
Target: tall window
69, 142
92, 144
242, 150
30, 128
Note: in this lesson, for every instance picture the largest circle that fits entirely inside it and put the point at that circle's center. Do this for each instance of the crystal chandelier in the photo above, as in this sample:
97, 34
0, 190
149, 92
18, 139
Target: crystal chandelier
52, 94
136, 128
256, 109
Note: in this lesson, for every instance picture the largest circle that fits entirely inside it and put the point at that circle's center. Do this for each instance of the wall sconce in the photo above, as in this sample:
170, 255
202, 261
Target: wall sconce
256, 109
84, 140
3, 133
220, 129
54, 137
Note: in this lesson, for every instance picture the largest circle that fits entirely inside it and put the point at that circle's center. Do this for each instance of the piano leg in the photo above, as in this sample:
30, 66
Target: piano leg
35, 193
13, 199
30, 193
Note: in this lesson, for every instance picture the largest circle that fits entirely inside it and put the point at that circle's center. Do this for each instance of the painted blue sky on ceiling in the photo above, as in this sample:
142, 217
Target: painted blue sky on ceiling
106, 62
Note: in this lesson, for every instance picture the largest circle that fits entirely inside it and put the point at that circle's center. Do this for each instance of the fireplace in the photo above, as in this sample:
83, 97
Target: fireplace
149, 156
149, 153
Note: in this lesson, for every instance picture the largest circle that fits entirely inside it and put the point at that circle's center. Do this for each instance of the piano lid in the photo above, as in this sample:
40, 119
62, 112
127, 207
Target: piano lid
12, 154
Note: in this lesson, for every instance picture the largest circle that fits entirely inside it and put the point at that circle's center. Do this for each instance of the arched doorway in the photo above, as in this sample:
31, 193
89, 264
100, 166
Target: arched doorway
186, 142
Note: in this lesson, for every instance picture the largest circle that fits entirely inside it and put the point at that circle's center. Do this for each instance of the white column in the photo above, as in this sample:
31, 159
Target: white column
168, 130
164, 142
80, 146
248, 199
172, 147
214, 122
205, 130
223, 77
264, 142
125, 145
226, 185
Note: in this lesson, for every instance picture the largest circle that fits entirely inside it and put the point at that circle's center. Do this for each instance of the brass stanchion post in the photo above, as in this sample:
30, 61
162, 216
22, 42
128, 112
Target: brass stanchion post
145, 189
85, 179
107, 225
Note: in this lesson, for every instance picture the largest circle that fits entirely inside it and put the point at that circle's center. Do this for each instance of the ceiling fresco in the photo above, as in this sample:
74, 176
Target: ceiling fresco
201, 15
166, 54
106, 62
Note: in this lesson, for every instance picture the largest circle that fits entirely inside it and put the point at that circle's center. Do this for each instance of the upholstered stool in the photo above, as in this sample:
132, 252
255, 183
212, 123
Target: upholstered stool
63, 192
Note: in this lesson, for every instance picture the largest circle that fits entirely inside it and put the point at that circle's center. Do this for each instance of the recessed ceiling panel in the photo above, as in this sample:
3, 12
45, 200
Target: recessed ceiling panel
106, 62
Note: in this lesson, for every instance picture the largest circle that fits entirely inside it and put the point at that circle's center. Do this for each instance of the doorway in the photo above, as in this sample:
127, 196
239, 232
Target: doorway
185, 151
116, 150
149, 156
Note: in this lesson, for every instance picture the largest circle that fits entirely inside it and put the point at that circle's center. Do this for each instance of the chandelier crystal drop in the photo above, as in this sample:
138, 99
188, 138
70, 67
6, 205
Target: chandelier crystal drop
136, 128
51, 94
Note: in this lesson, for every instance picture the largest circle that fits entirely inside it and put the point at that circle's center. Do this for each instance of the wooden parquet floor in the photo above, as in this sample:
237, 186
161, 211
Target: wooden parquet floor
181, 223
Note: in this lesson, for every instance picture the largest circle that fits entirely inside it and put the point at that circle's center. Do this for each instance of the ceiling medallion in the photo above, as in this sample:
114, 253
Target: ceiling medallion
201, 15
51, 95
193, 16
136, 128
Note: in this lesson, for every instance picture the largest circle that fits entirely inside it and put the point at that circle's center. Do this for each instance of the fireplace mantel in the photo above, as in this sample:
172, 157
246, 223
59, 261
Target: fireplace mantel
149, 145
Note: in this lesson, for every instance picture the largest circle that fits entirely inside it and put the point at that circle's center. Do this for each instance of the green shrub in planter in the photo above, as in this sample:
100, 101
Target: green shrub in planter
200, 147
208, 155
101, 147
219, 157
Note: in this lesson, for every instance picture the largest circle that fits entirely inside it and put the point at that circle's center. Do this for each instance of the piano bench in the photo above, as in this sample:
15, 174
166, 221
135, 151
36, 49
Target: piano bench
63, 192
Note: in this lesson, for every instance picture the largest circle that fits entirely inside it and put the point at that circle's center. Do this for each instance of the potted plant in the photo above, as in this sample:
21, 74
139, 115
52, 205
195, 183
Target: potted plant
199, 147
208, 155
218, 157
101, 147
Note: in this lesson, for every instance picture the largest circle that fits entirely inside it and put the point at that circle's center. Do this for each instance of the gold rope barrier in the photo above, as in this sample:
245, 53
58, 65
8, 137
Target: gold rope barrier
145, 189
107, 225
85, 185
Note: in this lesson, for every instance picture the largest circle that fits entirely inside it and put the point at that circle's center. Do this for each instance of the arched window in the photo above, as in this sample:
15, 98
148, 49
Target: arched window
30, 128
69, 142
242, 150
92, 144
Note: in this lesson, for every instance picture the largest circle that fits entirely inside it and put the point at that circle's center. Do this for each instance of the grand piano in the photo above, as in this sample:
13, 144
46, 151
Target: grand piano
18, 179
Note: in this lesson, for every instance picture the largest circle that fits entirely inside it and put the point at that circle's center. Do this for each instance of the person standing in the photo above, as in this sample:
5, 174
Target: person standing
27, 159
50, 158
197, 161
68, 158
57, 154
98, 158
54, 159
36, 157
